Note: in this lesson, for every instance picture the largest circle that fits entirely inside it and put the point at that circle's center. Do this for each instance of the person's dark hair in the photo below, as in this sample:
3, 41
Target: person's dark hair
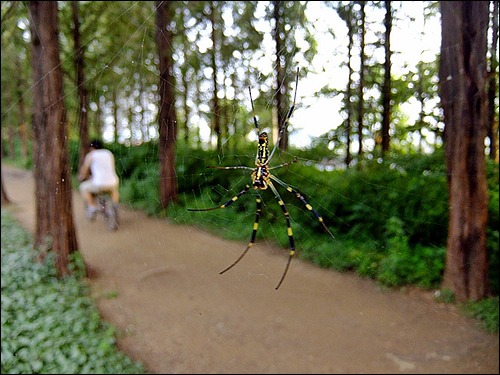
96, 143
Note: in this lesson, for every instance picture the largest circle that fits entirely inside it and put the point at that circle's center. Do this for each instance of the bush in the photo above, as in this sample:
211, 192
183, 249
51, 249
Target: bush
487, 311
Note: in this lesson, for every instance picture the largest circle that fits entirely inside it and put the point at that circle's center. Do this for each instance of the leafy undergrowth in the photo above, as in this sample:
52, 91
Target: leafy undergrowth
486, 311
50, 325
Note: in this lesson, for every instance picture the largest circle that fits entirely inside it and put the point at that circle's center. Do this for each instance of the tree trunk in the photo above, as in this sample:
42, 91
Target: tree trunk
386, 88
166, 117
80, 84
5, 198
39, 123
22, 122
115, 114
215, 98
185, 105
462, 76
53, 159
361, 84
492, 87
350, 30
280, 76
421, 100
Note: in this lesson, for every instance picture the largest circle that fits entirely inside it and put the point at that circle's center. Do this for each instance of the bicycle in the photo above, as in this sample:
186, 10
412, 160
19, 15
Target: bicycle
107, 208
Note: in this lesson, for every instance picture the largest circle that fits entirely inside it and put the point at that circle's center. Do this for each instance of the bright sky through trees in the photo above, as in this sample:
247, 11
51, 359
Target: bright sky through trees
411, 41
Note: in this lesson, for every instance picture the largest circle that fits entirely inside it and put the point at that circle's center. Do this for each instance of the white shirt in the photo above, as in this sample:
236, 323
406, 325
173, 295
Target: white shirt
102, 167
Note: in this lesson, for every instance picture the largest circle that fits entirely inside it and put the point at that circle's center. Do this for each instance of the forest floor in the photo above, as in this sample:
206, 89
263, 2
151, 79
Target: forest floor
159, 285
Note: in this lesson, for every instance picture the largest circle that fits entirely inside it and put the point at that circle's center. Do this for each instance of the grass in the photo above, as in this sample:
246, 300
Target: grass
51, 325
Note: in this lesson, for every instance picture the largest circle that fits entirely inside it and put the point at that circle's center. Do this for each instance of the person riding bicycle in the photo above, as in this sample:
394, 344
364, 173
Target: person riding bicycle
99, 164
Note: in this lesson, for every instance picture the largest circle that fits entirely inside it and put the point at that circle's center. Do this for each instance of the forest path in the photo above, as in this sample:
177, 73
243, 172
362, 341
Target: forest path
159, 284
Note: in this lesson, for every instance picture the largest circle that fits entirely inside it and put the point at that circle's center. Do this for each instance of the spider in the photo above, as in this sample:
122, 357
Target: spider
262, 179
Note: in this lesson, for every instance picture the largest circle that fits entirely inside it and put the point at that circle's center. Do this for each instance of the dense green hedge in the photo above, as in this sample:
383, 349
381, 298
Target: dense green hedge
389, 219
50, 326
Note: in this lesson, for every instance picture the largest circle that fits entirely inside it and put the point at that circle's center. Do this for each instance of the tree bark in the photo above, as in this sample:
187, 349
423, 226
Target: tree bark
53, 160
281, 84
39, 123
361, 84
492, 86
20, 100
463, 76
350, 31
166, 116
215, 98
80, 84
5, 197
386, 88
115, 114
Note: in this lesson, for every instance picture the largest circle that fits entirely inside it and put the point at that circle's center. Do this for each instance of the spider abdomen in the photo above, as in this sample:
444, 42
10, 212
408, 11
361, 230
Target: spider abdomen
260, 177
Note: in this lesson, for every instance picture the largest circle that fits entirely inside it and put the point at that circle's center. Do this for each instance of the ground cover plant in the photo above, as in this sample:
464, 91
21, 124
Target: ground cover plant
50, 325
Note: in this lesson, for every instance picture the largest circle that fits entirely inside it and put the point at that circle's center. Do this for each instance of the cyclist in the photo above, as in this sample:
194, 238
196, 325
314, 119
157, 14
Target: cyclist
99, 164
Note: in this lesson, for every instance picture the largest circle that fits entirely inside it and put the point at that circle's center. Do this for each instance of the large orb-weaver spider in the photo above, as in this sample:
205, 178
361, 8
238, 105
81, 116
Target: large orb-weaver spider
261, 180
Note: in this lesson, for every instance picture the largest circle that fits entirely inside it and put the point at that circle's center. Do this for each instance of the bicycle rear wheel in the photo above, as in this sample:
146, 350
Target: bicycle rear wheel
111, 214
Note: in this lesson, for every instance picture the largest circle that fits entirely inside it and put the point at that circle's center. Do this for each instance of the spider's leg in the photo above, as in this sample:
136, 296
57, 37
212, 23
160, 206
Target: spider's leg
258, 201
232, 200
289, 231
287, 119
303, 200
285, 164
227, 168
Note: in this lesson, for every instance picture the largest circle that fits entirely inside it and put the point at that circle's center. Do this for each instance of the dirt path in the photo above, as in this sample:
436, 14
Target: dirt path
160, 284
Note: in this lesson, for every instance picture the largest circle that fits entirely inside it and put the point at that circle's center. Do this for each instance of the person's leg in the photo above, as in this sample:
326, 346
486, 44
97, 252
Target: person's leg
86, 189
115, 195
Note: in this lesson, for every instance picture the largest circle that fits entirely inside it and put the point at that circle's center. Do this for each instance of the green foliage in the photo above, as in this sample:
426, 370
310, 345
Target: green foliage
487, 311
50, 325
445, 295
492, 235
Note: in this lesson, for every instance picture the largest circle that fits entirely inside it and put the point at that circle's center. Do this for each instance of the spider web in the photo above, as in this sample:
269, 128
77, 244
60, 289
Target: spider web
304, 123
308, 120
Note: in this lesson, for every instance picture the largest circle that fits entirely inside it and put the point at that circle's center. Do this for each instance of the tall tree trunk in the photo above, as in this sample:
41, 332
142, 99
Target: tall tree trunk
386, 88
280, 75
98, 119
492, 86
5, 197
80, 84
39, 123
421, 100
166, 117
463, 76
22, 116
11, 133
54, 159
185, 105
350, 30
115, 113
216, 107
361, 84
